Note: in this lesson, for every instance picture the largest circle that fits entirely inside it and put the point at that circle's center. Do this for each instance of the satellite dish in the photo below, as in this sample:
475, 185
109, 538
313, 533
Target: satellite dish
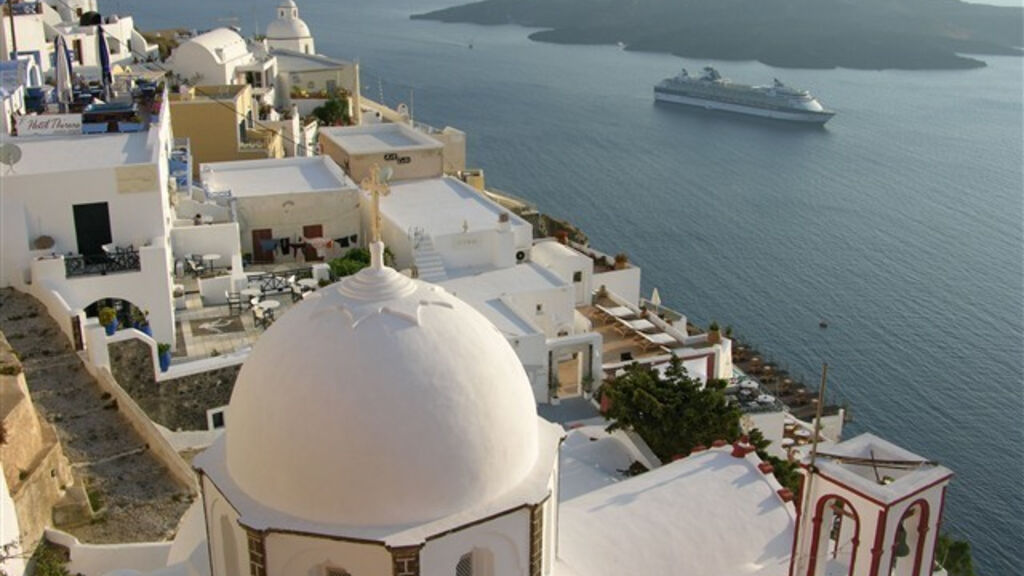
10, 154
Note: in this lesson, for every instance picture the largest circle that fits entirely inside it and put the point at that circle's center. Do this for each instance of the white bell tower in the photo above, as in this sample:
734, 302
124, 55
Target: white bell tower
870, 508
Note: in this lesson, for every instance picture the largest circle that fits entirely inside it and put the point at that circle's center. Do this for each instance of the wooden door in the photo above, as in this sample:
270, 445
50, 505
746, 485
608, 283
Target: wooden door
314, 231
259, 255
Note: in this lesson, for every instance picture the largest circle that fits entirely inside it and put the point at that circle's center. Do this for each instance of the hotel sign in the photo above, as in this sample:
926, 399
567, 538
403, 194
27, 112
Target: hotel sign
50, 124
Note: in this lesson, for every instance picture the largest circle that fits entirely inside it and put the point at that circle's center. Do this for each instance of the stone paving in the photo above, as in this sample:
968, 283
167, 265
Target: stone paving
213, 330
137, 498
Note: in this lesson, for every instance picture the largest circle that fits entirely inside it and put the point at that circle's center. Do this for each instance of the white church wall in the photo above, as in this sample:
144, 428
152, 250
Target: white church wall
227, 540
99, 559
506, 538
292, 554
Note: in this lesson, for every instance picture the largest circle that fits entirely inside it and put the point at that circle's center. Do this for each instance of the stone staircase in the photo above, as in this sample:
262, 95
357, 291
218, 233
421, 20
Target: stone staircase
428, 261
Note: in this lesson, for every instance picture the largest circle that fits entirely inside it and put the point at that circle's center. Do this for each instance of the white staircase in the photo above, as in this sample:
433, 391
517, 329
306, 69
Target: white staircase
428, 261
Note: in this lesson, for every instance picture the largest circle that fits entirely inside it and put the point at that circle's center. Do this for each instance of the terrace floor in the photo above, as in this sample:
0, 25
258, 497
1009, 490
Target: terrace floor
211, 330
619, 346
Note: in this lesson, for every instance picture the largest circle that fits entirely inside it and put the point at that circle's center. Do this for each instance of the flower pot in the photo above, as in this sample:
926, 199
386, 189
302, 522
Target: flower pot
146, 329
112, 327
165, 361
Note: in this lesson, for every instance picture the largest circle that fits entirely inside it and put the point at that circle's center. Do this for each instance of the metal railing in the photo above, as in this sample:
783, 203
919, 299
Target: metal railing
272, 282
120, 260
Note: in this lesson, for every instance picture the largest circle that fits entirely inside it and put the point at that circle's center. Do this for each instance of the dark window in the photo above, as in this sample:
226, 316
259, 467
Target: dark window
218, 420
577, 276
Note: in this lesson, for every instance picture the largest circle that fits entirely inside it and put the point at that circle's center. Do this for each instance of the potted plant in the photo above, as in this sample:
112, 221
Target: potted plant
714, 333
140, 321
621, 261
588, 386
108, 319
163, 350
553, 391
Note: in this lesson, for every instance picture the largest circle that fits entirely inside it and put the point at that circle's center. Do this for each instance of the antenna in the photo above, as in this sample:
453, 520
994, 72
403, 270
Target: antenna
10, 154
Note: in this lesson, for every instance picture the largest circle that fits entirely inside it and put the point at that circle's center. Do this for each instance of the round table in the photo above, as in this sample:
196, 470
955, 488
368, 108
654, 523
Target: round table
251, 293
210, 259
787, 442
269, 304
802, 433
749, 385
765, 399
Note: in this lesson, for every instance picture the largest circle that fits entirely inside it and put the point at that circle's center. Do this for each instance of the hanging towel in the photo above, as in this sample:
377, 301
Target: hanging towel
285, 245
268, 245
319, 244
341, 242
297, 246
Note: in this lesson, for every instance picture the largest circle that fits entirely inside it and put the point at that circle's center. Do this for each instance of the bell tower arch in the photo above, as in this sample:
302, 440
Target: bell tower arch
869, 508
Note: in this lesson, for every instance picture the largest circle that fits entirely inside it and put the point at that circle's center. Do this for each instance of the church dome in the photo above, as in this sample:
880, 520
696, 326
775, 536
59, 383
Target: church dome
382, 400
288, 25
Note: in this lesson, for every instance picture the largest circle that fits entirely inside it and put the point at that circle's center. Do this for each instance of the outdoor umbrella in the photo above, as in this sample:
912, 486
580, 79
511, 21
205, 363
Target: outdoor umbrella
63, 62
105, 75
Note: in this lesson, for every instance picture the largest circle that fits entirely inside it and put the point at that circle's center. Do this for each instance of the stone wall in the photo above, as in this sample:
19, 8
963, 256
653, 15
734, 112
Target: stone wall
35, 468
178, 404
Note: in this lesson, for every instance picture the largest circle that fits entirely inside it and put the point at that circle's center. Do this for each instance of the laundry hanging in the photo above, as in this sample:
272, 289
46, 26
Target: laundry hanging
268, 245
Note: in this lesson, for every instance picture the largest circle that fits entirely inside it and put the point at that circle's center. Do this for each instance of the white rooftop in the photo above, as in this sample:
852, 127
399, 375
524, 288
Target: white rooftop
294, 61
709, 513
249, 178
46, 154
378, 138
485, 290
442, 206
590, 459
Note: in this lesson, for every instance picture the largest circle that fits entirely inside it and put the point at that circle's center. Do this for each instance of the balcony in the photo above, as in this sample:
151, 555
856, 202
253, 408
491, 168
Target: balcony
114, 260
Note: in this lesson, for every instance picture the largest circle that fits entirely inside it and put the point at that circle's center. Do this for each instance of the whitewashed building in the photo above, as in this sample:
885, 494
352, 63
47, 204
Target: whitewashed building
280, 204
94, 224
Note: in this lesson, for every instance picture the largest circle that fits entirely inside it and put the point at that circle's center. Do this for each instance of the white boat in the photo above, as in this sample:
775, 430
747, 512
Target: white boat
712, 92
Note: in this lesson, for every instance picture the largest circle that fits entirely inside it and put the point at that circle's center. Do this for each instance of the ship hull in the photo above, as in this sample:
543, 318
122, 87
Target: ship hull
804, 116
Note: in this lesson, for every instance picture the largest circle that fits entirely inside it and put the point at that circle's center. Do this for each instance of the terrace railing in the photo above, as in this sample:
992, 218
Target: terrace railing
118, 260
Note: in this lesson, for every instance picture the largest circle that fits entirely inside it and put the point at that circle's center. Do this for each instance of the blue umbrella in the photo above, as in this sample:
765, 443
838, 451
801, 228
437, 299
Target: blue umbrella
65, 93
105, 75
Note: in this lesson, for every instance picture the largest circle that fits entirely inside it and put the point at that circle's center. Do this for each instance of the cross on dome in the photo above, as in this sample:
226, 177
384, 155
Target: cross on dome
377, 185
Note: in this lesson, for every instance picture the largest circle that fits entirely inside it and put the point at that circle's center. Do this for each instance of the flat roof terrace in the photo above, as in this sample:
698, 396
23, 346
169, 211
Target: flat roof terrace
378, 138
250, 178
442, 206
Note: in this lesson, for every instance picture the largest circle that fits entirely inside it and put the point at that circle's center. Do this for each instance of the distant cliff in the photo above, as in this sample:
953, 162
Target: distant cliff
864, 34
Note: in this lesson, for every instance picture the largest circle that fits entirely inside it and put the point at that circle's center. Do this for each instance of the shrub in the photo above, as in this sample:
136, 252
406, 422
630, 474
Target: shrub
163, 348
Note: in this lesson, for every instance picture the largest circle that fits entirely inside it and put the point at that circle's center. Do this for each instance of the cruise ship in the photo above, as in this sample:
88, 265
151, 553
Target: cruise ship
713, 92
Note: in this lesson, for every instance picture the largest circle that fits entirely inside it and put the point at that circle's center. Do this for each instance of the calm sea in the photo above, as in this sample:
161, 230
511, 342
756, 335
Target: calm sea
900, 223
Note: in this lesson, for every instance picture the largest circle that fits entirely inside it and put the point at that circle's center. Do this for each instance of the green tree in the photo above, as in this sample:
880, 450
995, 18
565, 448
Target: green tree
786, 472
954, 555
333, 112
672, 414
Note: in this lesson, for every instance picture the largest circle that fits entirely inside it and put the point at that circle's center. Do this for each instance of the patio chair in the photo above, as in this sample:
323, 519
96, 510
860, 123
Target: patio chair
296, 291
259, 317
234, 302
657, 339
194, 268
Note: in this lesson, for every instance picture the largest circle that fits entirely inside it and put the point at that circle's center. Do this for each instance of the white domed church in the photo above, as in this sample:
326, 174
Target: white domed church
288, 31
382, 427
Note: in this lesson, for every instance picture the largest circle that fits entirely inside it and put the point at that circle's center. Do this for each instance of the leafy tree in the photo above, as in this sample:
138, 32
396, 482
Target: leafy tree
954, 555
355, 260
672, 414
333, 112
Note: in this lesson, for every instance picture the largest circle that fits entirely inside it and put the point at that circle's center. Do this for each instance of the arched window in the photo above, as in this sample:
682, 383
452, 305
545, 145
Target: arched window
465, 565
478, 562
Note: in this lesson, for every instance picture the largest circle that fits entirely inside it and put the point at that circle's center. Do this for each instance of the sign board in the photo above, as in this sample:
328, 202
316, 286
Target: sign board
50, 124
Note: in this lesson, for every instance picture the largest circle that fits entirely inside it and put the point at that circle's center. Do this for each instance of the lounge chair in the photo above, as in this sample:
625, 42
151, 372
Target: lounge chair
658, 339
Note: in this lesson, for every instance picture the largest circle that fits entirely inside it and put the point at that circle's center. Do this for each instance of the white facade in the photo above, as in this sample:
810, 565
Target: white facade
122, 176
445, 228
288, 31
409, 153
